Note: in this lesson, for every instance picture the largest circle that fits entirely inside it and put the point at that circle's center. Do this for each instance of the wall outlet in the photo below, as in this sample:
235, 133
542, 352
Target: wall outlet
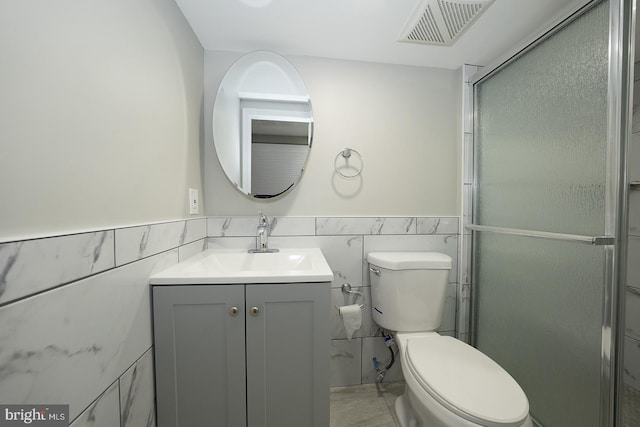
193, 201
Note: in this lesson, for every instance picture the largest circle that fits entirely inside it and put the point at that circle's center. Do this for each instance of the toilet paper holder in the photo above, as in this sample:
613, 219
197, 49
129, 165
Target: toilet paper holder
346, 289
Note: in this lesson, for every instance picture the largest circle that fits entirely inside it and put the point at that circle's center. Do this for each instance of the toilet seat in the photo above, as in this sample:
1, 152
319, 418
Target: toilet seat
465, 381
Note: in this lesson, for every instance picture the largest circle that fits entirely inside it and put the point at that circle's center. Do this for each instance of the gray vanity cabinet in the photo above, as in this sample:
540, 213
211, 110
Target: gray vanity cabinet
264, 365
199, 356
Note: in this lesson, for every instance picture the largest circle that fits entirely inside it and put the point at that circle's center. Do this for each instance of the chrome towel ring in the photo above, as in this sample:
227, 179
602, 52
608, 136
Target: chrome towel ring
352, 164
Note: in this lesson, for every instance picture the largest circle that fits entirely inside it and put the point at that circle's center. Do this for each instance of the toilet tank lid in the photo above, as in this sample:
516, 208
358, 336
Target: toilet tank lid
410, 260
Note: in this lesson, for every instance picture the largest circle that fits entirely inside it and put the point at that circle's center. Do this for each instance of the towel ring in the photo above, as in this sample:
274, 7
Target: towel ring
346, 155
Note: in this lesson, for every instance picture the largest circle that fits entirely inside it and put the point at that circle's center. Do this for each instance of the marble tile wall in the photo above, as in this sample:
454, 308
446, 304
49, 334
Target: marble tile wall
632, 314
466, 202
345, 243
76, 319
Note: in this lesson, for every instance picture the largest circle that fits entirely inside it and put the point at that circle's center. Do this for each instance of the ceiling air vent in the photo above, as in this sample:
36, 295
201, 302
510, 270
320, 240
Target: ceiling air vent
442, 22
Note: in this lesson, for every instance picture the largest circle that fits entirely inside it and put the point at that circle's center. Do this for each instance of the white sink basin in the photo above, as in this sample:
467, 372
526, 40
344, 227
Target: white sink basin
238, 266
278, 261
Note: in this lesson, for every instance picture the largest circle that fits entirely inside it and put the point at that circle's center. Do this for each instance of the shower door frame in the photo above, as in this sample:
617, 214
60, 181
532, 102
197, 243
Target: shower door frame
614, 242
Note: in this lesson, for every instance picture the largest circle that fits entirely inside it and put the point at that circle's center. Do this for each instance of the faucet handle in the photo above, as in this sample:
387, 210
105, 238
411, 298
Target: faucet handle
262, 220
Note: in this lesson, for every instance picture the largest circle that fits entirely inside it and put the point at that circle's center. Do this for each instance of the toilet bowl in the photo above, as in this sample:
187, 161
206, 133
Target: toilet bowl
448, 382
451, 384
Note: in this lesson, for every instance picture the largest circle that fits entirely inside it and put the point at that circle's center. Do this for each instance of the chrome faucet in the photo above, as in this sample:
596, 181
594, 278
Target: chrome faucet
262, 239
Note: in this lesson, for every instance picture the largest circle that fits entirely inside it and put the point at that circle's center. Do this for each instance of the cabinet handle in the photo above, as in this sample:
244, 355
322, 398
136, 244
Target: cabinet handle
255, 311
233, 311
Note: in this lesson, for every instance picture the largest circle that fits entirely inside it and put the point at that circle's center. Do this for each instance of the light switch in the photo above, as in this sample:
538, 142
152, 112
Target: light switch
193, 201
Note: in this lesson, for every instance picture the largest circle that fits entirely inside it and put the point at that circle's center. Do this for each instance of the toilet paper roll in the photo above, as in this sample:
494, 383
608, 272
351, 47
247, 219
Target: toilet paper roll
352, 318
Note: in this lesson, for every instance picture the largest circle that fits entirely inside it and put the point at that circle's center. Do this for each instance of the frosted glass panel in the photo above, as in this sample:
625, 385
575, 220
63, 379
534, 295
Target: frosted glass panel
542, 134
541, 164
540, 313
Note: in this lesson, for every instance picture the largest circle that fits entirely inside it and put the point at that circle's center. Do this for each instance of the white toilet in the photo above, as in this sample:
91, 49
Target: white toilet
449, 383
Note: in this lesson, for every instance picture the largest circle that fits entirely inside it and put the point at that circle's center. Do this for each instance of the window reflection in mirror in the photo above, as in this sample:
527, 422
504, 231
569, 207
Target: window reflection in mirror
279, 152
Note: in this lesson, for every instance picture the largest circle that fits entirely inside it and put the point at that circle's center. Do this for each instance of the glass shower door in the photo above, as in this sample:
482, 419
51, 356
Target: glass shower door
542, 256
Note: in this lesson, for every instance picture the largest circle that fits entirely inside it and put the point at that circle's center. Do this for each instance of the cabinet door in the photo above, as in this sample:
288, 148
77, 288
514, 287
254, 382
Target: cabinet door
199, 356
288, 355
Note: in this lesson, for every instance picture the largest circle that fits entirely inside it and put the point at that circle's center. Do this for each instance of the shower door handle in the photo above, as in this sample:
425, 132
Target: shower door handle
591, 240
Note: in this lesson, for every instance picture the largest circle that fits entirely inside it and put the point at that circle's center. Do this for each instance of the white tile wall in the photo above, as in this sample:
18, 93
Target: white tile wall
32, 266
636, 107
134, 243
447, 225
70, 344
634, 157
466, 194
345, 365
103, 412
246, 226
191, 249
634, 213
466, 202
632, 362
137, 393
632, 314
341, 226
77, 326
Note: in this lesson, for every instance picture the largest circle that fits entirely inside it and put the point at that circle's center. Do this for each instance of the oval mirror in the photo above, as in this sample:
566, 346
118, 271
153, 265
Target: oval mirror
262, 125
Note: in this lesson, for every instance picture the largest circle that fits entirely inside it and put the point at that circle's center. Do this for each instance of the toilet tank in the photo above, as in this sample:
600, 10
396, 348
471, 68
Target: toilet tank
408, 289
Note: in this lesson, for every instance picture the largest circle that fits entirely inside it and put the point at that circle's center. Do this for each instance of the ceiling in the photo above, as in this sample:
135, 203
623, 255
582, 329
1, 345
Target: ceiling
363, 30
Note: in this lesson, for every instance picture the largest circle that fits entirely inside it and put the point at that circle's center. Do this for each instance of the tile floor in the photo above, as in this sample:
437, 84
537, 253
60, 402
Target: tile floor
366, 405
370, 405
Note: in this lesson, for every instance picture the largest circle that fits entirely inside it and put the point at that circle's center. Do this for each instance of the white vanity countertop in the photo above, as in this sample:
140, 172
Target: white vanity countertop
229, 266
